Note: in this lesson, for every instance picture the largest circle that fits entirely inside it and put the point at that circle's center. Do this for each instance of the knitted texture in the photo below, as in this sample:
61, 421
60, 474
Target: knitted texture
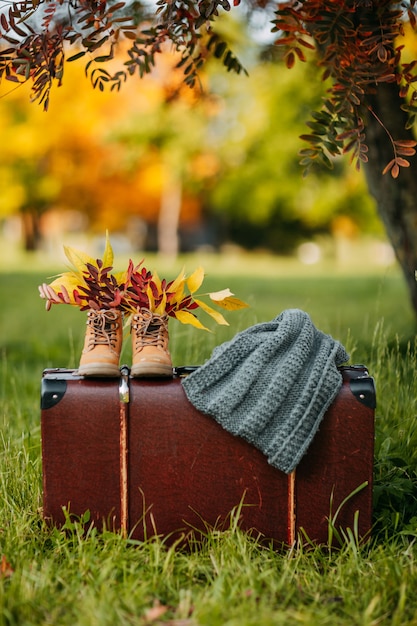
271, 384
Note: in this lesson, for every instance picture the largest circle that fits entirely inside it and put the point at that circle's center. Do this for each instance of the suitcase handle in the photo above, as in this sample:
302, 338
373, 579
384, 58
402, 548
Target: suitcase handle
184, 370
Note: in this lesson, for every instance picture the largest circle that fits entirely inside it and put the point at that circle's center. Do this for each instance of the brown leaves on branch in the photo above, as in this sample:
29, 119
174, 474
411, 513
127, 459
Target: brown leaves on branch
402, 148
357, 43
357, 46
35, 48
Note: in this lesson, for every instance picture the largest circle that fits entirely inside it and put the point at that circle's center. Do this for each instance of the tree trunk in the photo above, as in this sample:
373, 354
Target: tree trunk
169, 214
31, 230
396, 198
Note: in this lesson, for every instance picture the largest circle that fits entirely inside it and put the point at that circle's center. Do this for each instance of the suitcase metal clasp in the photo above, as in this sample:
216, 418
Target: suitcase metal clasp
124, 385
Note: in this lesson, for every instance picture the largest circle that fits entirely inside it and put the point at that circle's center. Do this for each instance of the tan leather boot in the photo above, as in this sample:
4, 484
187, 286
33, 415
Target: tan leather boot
103, 343
150, 355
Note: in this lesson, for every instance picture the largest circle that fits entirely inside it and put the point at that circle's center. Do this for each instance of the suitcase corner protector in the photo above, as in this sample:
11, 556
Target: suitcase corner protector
52, 391
363, 388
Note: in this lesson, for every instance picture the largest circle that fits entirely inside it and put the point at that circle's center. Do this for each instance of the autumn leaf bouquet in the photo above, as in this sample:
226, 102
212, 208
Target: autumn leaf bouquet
138, 297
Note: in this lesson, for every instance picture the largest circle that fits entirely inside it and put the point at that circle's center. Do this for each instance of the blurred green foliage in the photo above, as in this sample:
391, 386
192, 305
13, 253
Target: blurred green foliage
231, 147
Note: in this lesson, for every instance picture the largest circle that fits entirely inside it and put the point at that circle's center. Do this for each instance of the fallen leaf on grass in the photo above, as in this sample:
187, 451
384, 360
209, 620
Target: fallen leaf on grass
155, 612
177, 622
6, 570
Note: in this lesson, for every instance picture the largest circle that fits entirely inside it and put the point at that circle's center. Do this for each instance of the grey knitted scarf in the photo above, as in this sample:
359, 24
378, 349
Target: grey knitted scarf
271, 384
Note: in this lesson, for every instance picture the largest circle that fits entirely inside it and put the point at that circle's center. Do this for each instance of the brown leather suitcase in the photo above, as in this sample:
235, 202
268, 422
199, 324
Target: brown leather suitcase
139, 457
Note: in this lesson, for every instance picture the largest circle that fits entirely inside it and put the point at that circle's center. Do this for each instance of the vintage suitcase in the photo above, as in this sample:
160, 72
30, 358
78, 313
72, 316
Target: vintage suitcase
139, 457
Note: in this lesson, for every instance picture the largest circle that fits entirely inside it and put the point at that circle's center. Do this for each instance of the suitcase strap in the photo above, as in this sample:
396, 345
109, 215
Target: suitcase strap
123, 417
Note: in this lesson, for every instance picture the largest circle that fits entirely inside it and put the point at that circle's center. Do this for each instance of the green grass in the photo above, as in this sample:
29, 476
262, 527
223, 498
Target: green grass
78, 577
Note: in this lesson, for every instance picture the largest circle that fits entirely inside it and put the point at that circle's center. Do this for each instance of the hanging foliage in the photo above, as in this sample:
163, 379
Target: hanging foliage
359, 46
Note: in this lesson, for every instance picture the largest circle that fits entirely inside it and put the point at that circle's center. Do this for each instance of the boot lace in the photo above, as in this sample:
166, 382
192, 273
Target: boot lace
103, 326
150, 330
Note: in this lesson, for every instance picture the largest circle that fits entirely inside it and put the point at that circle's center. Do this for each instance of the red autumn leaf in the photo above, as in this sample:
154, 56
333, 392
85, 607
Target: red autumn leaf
395, 170
300, 54
402, 162
3, 22
388, 167
406, 151
290, 60
382, 53
405, 143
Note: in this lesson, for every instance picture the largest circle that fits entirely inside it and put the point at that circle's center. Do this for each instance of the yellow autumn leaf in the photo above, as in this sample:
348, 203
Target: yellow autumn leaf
78, 259
221, 295
178, 282
178, 294
120, 277
68, 281
177, 287
227, 300
216, 315
108, 256
151, 299
187, 318
71, 280
195, 280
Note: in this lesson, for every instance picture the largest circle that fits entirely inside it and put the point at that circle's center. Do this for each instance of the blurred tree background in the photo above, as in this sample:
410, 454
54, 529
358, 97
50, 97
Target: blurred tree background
172, 169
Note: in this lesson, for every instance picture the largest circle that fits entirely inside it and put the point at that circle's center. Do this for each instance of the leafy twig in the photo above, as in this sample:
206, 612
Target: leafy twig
400, 147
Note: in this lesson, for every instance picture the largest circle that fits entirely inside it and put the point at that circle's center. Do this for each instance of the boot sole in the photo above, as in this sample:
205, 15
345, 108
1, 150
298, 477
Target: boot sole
151, 370
99, 370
